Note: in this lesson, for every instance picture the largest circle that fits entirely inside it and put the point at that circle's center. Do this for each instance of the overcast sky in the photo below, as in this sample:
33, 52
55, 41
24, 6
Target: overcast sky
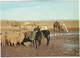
39, 10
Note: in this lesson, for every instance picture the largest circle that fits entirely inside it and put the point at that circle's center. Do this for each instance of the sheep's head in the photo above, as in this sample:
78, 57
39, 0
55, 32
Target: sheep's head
26, 35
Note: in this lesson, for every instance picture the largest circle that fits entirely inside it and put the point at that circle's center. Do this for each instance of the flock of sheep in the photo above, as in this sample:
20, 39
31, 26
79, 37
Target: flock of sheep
11, 39
14, 37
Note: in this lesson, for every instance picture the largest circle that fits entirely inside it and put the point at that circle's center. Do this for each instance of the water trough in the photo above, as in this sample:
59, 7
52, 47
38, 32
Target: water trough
59, 34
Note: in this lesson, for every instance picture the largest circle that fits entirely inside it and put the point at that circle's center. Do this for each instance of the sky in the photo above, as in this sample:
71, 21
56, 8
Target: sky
39, 10
39, 0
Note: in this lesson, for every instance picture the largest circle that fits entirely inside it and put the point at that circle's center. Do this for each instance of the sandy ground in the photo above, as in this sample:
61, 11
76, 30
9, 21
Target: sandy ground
55, 48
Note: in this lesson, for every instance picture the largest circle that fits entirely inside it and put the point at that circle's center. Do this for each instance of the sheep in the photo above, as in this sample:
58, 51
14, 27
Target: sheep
15, 38
9, 38
3, 37
0, 39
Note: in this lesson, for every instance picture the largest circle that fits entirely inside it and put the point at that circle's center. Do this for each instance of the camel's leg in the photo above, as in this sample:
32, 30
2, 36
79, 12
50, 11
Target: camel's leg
54, 29
59, 29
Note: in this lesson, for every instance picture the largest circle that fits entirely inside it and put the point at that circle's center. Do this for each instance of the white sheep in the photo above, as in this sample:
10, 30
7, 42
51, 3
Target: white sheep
15, 38
9, 36
3, 38
0, 39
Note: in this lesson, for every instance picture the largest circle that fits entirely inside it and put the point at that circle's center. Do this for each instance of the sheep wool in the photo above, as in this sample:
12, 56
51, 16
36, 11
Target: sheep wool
3, 39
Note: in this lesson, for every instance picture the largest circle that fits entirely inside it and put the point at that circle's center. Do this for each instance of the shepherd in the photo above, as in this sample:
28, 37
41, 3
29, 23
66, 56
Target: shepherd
33, 33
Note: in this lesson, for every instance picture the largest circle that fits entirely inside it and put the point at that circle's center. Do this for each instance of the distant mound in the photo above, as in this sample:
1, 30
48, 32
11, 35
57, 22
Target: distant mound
6, 22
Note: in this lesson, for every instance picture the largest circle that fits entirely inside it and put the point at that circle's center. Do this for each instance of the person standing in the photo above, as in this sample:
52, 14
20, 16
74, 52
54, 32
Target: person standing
33, 33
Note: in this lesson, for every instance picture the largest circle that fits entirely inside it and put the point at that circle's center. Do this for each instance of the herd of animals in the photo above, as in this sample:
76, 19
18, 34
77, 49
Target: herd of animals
18, 38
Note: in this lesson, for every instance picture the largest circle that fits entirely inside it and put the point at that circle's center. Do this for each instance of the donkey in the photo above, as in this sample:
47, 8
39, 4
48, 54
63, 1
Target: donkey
38, 37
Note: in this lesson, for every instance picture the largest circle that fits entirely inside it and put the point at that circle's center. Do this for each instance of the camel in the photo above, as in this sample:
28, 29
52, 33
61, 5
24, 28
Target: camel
60, 26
